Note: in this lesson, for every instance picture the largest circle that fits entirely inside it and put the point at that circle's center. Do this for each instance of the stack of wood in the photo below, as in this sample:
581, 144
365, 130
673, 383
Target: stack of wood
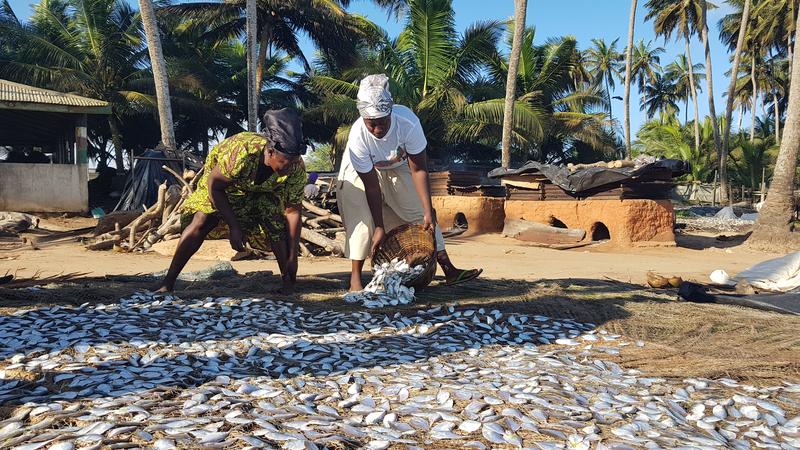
484, 190
134, 231
463, 183
322, 232
131, 231
618, 164
534, 186
13, 223
526, 186
443, 183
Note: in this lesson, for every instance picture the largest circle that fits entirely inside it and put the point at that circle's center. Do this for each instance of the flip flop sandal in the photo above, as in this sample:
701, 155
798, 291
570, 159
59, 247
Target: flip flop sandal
464, 276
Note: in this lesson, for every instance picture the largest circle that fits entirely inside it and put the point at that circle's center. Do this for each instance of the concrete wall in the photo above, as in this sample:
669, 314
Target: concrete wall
44, 187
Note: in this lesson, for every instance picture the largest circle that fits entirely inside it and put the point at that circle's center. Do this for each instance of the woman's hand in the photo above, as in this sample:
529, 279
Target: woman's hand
236, 238
378, 236
429, 220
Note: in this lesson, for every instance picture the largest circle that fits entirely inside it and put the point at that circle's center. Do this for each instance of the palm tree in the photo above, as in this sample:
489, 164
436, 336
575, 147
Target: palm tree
666, 137
555, 118
602, 60
681, 17
160, 76
430, 67
660, 97
754, 47
646, 63
251, 25
775, 26
750, 158
89, 47
737, 56
520, 7
712, 109
628, 64
776, 82
280, 24
774, 228
679, 72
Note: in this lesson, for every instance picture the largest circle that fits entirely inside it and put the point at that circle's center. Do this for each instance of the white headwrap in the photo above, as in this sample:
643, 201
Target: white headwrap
374, 98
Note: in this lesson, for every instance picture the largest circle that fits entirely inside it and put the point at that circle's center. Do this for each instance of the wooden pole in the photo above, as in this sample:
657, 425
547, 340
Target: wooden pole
714, 190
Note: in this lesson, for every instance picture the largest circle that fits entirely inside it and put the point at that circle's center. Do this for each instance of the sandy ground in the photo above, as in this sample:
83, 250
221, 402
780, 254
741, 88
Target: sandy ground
500, 258
601, 285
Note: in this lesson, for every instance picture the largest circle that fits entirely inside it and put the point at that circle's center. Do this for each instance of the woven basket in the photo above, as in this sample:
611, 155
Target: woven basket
413, 244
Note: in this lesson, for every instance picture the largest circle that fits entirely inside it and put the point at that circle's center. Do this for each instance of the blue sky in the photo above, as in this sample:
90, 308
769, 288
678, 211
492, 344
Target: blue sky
583, 19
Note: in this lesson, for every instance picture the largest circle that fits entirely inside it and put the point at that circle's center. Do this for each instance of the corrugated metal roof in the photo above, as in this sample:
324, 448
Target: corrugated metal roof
21, 93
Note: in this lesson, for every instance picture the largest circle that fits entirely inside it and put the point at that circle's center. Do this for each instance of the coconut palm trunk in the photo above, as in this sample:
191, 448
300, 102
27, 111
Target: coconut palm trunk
686, 107
773, 229
737, 58
712, 109
263, 44
251, 15
777, 118
693, 92
160, 75
628, 63
755, 98
520, 7
789, 36
116, 140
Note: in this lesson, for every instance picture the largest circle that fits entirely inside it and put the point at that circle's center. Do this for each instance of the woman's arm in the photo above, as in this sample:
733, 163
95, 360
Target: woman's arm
217, 183
372, 187
419, 173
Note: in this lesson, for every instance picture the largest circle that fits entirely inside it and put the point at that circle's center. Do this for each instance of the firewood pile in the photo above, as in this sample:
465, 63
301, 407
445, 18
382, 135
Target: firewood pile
135, 231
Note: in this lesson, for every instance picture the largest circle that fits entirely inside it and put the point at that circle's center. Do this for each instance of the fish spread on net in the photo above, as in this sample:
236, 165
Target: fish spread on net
163, 372
387, 286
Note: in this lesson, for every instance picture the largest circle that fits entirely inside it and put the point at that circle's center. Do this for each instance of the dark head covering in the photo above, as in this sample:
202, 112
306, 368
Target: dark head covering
284, 130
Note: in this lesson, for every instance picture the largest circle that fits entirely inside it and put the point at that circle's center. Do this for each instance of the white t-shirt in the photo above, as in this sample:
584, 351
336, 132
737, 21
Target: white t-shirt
364, 151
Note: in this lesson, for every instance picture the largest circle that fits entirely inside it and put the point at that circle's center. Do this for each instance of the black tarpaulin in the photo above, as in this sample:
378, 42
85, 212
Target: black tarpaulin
596, 177
141, 190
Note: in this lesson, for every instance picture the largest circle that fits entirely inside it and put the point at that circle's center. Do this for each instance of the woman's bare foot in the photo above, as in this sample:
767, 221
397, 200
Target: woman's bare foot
164, 289
286, 289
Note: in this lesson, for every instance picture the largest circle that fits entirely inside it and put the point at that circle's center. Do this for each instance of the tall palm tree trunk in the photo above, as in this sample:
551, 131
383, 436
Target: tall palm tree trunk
628, 63
610, 108
686, 108
262, 55
251, 15
520, 7
693, 91
160, 75
737, 57
741, 118
712, 109
777, 118
755, 97
116, 139
789, 36
773, 229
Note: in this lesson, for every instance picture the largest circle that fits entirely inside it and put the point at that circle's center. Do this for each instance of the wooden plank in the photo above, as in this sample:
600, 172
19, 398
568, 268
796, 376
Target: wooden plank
524, 230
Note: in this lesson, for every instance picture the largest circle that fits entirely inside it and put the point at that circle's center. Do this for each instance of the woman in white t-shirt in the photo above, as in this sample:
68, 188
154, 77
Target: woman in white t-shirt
383, 180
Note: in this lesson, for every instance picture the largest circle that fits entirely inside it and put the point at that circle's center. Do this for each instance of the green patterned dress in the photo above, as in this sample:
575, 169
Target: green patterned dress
259, 208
